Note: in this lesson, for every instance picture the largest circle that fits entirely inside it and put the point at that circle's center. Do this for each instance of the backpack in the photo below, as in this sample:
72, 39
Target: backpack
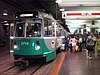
90, 42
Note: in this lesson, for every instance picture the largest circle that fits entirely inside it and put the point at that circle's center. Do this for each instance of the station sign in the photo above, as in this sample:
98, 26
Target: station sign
76, 14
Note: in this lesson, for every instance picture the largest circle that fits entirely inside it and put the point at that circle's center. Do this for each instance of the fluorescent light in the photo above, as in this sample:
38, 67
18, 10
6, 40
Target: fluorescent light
5, 21
6, 24
58, 1
5, 14
62, 9
11, 37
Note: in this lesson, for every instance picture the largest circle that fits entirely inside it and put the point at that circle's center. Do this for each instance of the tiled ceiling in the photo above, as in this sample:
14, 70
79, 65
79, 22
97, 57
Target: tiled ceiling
80, 3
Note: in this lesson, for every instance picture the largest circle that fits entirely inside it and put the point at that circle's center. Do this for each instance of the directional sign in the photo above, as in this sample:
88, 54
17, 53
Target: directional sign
74, 14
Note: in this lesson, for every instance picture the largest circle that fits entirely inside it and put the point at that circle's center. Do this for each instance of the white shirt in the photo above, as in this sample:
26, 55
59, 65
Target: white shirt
80, 40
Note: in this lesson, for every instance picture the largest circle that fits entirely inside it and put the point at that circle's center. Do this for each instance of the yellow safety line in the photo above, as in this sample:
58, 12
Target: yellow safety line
55, 69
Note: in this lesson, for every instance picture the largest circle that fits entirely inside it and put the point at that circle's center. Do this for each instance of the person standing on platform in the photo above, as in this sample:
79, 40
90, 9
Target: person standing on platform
73, 41
70, 43
90, 44
80, 43
66, 43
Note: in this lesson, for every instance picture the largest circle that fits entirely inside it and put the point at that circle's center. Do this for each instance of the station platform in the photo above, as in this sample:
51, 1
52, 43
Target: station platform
76, 64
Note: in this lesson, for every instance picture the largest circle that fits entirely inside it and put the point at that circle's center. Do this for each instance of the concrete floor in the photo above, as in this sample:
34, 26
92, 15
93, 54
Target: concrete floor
78, 64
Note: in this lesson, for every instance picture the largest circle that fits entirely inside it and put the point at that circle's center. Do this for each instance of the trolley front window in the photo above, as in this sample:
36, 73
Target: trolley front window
28, 28
33, 28
20, 30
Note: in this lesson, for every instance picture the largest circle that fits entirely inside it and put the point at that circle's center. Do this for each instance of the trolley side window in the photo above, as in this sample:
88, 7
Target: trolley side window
20, 30
47, 28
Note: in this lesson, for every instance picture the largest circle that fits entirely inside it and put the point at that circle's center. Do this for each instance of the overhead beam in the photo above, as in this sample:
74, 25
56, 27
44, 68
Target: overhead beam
14, 4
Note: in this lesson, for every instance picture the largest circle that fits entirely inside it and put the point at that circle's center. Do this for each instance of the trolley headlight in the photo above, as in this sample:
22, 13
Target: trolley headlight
15, 47
37, 47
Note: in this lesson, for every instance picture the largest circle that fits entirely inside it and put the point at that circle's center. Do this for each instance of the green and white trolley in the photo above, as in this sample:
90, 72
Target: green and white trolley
35, 35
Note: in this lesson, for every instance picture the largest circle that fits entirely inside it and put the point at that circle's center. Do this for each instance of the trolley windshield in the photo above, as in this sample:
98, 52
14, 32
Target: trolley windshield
20, 29
29, 28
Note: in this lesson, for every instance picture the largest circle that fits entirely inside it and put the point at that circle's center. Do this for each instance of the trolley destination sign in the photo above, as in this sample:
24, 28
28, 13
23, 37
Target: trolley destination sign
27, 14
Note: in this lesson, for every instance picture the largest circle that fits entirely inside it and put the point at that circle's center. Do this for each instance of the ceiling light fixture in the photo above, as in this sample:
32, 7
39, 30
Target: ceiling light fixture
6, 24
5, 13
58, 1
5, 21
62, 9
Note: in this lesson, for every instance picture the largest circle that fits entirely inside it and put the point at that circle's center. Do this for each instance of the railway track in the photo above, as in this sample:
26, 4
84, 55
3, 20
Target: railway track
36, 68
5, 67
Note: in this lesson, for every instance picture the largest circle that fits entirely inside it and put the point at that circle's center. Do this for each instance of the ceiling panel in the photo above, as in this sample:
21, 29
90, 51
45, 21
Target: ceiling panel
80, 3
